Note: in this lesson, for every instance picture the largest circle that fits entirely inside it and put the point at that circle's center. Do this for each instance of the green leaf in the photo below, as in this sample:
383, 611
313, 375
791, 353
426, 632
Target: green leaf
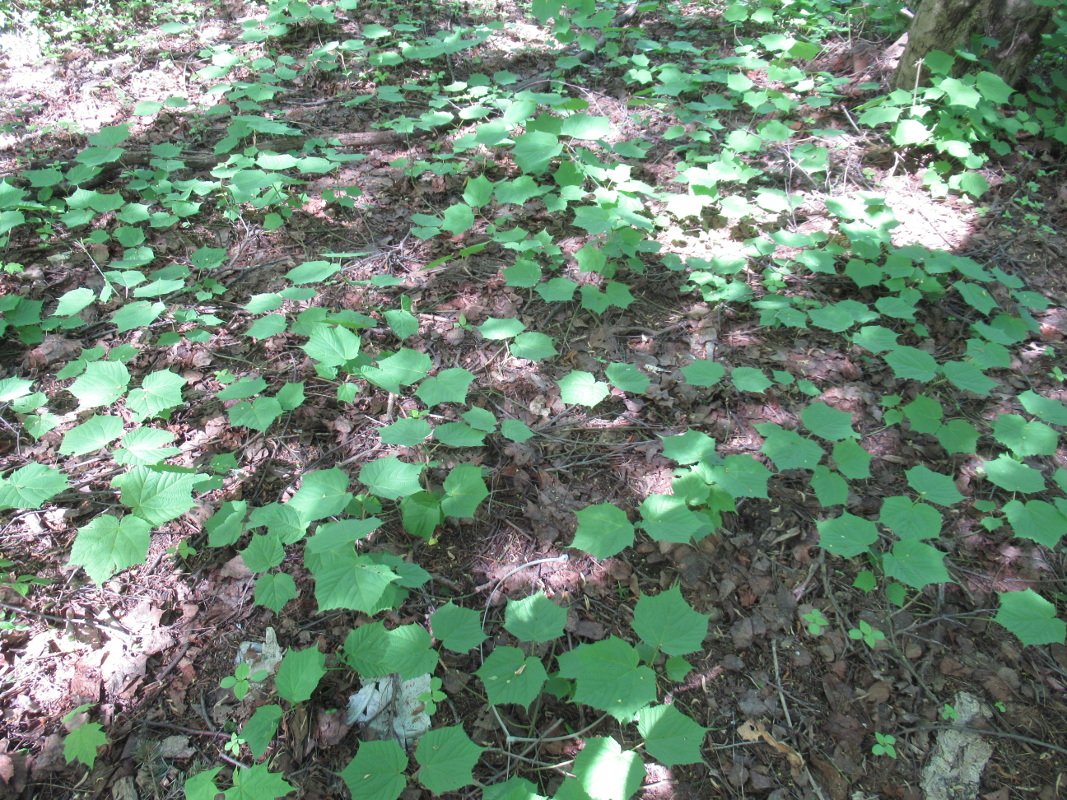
406, 432
299, 674
102, 383
533, 346
265, 327
464, 491
969, 377
373, 651
283, 522
448, 386
933, 486
993, 88
668, 518
498, 329
312, 272
583, 126
459, 629
421, 514
909, 132
108, 545
74, 301
847, 535
689, 447
93, 434
666, 622
912, 363
1011, 476
534, 151
260, 729
257, 783
958, 436
264, 551
910, 520
516, 431
30, 486
377, 771
403, 368
852, 460
459, 434
291, 396
607, 772
478, 191
146, 446
1025, 438
274, 590
159, 391
509, 676
1044, 408
608, 677
1037, 521
557, 290
741, 476
827, 422
391, 478
671, 737
332, 346
523, 274
581, 388
154, 495
201, 786
226, 525
446, 757
1030, 617
924, 414
749, 379
534, 619
242, 389
627, 378
345, 580
703, 373
603, 530
916, 564
458, 218
788, 449
137, 315
82, 743
830, 488
322, 493
257, 415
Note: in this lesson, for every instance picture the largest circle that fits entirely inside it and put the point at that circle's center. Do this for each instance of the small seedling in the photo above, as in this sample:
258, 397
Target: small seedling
432, 697
949, 713
884, 745
870, 636
241, 680
817, 622
234, 745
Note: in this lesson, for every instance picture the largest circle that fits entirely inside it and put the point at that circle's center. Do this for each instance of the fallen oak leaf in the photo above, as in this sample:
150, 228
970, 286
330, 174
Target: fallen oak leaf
755, 731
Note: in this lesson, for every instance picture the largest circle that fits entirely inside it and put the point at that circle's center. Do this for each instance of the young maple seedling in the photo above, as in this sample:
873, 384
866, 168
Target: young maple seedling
241, 680
884, 745
870, 636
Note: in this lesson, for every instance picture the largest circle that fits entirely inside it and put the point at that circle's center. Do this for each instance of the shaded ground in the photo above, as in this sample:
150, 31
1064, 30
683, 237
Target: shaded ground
792, 713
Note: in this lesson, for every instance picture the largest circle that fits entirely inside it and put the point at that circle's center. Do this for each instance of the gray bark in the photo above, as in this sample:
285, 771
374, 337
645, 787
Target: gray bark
944, 25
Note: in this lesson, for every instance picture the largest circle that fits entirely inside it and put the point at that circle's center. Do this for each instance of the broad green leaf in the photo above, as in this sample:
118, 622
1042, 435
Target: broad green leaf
322, 493
282, 521
338, 535
91, 435
201, 786
958, 436
1025, 438
448, 386
312, 272
1037, 521
830, 488
627, 378
523, 274
515, 430
226, 525
257, 783
1012, 476
332, 346
299, 674
291, 396
933, 486
847, 535
603, 530
689, 447
668, 518
446, 758
102, 383
703, 373
519, 190
154, 495
480, 418
407, 650
828, 423
459, 629
607, 772
509, 676
608, 677
924, 414
534, 151
671, 737
421, 514
969, 377
146, 446
1044, 408
458, 218
74, 301
406, 432
583, 126
557, 290
263, 552
82, 743
749, 379
741, 476
459, 434
345, 580
788, 449
667, 623
497, 329
910, 520
137, 315
260, 729
581, 388
533, 346
916, 564
391, 478
403, 368
108, 545
274, 590
478, 191
993, 88
534, 619
909, 132
852, 460
159, 392
912, 363
464, 491
377, 771
265, 327
242, 389
257, 415
1030, 617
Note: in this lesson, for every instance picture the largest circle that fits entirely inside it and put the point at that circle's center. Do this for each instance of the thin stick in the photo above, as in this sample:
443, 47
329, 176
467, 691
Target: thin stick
64, 620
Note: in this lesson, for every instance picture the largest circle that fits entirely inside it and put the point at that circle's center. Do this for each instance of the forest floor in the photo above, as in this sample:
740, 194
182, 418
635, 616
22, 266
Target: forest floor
791, 713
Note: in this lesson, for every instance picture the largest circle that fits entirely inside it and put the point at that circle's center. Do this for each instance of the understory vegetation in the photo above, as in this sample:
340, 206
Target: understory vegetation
371, 296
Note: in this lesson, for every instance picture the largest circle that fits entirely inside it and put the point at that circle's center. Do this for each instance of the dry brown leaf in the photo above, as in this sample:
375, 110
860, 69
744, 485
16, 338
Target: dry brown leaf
755, 731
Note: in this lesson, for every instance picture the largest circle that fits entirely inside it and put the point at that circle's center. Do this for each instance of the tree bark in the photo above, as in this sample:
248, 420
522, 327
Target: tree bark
944, 25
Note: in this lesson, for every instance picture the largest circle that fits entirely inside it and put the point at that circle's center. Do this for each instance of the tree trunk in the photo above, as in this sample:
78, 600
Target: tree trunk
944, 25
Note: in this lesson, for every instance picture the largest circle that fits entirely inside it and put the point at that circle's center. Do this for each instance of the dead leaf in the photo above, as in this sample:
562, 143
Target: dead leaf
754, 731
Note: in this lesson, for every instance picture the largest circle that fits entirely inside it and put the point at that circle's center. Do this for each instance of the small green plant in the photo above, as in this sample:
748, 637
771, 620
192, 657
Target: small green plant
870, 636
948, 712
817, 622
241, 680
84, 739
884, 745
432, 697
19, 583
233, 747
